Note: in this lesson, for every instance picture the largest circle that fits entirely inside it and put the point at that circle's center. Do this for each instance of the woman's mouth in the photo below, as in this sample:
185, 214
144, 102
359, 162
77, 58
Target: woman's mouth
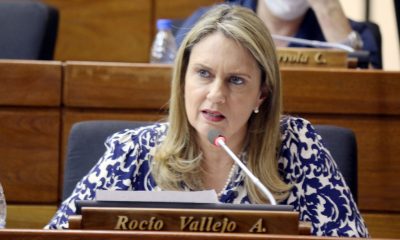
213, 116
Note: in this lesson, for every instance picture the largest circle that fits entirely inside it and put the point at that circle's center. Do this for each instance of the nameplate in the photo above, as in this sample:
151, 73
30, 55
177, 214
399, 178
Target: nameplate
187, 220
312, 57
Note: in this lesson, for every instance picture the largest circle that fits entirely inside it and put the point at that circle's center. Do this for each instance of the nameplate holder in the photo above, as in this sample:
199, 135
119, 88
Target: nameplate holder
312, 57
189, 220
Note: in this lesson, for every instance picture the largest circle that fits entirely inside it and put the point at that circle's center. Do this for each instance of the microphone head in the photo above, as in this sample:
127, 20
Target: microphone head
214, 136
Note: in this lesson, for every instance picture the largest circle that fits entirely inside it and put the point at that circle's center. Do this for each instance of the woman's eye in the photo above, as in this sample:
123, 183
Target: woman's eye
203, 73
236, 80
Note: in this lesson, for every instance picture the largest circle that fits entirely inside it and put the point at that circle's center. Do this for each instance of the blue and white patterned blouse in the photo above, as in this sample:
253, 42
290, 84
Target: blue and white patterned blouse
319, 192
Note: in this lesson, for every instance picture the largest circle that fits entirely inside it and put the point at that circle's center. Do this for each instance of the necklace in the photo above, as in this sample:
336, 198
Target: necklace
228, 180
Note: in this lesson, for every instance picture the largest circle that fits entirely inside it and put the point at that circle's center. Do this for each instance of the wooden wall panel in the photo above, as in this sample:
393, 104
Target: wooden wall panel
383, 225
104, 30
29, 147
341, 91
29, 216
88, 84
179, 9
116, 85
114, 30
30, 83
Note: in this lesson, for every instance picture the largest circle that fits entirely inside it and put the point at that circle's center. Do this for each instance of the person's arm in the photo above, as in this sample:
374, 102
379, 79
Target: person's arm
334, 23
106, 174
336, 27
319, 191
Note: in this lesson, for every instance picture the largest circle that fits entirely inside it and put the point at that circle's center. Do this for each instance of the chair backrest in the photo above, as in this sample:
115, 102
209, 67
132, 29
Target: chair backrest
376, 32
86, 146
342, 144
28, 29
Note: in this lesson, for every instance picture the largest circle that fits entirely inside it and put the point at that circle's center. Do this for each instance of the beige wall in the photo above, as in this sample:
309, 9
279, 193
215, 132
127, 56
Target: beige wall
382, 13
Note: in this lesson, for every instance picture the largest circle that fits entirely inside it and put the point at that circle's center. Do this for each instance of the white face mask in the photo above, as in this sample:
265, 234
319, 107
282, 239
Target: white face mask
287, 9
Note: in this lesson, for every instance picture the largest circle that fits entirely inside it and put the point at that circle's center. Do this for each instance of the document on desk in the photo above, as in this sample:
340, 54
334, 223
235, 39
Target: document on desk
209, 196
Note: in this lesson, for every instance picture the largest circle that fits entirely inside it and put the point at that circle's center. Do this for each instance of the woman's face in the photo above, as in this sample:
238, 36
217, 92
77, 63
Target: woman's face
222, 87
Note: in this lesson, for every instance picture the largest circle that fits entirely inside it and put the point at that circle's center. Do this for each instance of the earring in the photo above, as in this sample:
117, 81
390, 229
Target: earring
256, 110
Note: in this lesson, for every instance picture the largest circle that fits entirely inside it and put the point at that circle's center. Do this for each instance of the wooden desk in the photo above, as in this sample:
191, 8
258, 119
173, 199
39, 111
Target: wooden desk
28, 234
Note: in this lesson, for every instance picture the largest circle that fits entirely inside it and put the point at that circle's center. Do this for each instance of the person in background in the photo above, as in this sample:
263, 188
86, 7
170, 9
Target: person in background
226, 78
319, 20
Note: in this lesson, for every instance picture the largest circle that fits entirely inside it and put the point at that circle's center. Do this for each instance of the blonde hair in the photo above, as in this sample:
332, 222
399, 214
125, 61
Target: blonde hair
178, 158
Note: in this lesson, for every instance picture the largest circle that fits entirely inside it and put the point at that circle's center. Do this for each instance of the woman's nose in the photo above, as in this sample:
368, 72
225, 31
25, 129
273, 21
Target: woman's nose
217, 91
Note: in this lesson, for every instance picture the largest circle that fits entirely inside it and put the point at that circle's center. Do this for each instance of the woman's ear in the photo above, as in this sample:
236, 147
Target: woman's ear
263, 94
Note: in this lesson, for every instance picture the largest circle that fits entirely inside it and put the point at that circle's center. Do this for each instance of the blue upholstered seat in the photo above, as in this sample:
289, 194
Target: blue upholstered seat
28, 30
86, 146
342, 144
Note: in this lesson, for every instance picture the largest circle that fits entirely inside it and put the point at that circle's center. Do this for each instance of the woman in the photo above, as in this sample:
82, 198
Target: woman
319, 20
226, 77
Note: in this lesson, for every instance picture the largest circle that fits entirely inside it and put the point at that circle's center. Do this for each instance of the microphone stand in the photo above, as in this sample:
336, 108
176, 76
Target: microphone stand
253, 178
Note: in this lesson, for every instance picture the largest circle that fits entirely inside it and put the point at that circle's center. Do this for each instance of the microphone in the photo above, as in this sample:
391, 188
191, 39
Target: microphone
218, 140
